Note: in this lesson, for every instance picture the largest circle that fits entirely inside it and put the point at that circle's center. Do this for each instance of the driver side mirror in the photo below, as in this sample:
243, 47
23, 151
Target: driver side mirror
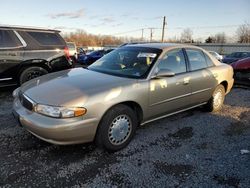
164, 73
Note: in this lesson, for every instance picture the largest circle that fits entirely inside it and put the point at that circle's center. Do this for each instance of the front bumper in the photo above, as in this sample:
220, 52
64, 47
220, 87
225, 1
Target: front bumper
56, 131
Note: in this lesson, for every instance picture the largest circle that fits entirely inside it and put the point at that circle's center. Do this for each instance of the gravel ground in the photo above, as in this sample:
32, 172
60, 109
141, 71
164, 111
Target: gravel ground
191, 149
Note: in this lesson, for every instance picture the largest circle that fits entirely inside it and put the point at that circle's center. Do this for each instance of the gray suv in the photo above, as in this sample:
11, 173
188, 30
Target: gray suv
26, 53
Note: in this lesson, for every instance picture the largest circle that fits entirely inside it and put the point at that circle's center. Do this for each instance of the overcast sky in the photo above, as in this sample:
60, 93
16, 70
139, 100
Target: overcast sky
127, 17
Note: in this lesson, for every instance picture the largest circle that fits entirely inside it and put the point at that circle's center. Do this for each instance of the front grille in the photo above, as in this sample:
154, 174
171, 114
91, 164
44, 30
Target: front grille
26, 102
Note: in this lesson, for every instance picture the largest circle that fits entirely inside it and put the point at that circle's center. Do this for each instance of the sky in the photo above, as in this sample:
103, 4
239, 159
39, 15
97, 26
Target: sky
128, 17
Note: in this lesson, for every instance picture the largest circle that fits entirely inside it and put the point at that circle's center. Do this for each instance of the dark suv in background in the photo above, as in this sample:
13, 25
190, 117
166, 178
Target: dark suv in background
26, 53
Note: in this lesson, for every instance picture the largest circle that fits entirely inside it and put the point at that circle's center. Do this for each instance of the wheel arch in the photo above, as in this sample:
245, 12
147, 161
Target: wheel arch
33, 62
225, 84
131, 104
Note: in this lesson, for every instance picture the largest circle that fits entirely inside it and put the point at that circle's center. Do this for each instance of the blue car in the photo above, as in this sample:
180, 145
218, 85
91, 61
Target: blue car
90, 58
235, 57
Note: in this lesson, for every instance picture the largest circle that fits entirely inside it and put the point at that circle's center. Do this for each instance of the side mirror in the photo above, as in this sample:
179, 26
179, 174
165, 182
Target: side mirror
164, 73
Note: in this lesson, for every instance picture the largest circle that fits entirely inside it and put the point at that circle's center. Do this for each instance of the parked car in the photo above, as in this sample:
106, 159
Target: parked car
26, 53
133, 85
72, 51
91, 57
242, 71
235, 57
216, 55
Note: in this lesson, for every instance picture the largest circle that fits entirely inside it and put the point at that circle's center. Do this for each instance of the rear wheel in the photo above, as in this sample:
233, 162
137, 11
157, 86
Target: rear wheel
30, 73
116, 128
216, 101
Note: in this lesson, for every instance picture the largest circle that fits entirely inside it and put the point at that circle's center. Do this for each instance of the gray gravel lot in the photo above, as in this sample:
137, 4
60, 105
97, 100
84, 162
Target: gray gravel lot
191, 149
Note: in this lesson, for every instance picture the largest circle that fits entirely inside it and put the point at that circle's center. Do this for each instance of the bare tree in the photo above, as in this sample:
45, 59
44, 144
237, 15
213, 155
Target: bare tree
243, 33
186, 35
220, 38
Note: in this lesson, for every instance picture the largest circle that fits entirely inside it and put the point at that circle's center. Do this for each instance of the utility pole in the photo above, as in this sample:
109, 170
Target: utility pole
142, 34
151, 34
163, 28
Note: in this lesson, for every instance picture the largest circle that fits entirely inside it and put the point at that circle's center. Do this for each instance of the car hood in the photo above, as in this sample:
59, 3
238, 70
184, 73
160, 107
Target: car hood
229, 59
71, 87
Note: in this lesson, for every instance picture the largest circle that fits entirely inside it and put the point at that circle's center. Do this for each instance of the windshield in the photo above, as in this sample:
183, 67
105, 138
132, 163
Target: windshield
132, 62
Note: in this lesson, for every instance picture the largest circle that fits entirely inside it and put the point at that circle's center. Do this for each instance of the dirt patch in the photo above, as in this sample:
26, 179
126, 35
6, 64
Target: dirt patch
184, 133
180, 171
239, 127
204, 146
230, 181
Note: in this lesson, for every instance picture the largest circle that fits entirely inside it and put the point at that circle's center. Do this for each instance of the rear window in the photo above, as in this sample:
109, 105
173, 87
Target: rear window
71, 46
8, 39
196, 59
46, 39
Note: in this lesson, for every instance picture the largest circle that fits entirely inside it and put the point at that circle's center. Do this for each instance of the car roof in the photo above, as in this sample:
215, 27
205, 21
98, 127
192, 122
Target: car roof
162, 45
27, 28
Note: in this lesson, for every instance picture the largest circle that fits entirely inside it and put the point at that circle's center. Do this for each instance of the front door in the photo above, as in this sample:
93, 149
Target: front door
170, 94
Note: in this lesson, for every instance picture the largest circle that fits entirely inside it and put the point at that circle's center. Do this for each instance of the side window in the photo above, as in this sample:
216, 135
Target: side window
8, 39
196, 59
173, 60
210, 63
46, 38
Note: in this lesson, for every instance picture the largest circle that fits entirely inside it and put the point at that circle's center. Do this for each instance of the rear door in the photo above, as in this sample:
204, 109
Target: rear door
11, 53
203, 80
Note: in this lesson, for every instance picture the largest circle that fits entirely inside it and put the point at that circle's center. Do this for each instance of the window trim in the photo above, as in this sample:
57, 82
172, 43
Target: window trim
24, 44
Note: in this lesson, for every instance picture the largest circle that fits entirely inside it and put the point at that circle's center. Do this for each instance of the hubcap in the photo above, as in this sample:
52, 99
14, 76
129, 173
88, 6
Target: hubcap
218, 99
120, 129
34, 74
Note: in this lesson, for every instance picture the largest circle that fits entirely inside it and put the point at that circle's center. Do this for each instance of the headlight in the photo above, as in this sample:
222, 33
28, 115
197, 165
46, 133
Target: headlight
59, 112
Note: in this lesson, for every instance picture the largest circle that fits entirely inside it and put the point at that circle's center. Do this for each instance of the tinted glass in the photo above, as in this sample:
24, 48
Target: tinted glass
9, 39
132, 62
46, 38
71, 46
173, 60
196, 59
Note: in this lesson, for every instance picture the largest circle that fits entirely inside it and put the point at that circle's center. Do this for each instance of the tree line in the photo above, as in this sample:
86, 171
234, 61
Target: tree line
82, 38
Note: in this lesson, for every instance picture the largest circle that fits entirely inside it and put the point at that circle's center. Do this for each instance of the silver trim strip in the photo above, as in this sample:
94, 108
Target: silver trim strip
180, 96
20, 38
172, 113
171, 99
3, 79
201, 90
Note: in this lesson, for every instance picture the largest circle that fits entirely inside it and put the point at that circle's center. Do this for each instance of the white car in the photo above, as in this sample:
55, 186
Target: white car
216, 55
72, 50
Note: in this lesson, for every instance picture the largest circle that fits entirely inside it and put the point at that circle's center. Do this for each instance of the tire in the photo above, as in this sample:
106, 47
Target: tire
116, 128
30, 73
215, 103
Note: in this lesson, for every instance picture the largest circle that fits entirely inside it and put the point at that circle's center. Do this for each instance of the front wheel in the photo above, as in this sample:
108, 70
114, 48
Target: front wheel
215, 103
116, 128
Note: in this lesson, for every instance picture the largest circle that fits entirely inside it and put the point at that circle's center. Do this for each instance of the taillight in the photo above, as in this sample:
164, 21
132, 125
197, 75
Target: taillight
66, 52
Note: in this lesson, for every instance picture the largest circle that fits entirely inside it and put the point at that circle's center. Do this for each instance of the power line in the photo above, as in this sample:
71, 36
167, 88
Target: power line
155, 28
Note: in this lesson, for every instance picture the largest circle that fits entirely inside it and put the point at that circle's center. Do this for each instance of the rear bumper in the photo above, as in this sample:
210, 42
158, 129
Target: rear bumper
53, 130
